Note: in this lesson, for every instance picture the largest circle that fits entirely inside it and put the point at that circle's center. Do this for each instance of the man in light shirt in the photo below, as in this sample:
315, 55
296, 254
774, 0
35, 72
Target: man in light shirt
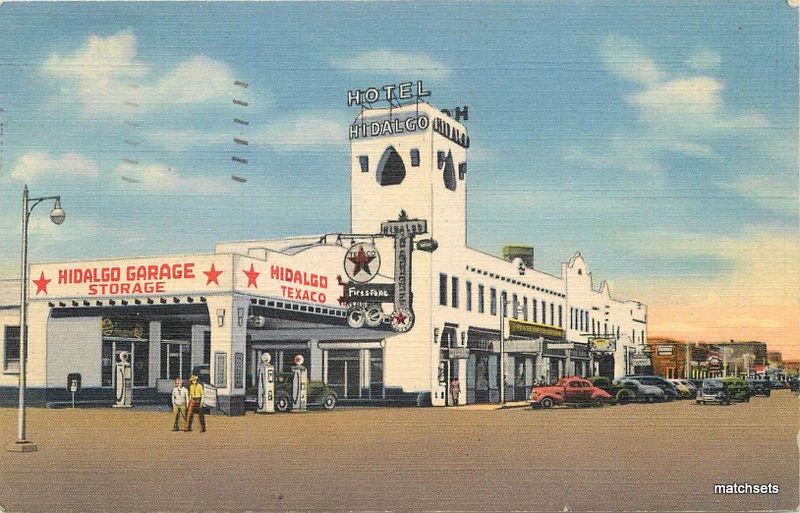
180, 400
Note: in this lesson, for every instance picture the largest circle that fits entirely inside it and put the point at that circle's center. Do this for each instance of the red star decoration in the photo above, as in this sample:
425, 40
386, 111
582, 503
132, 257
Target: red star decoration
212, 275
400, 318
361, 261
251, 276
41, 284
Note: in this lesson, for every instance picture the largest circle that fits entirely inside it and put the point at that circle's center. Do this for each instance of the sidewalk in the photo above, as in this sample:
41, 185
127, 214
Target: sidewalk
492, 406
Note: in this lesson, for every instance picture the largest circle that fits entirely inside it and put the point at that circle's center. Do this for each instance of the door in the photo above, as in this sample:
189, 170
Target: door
343, 373
574, 392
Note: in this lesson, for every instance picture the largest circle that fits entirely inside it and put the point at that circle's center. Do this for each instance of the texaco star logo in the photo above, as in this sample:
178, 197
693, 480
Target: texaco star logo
362, 262
402, 320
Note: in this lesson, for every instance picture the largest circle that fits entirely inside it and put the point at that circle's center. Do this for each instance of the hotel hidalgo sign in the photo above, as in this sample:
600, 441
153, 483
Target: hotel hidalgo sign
394, 124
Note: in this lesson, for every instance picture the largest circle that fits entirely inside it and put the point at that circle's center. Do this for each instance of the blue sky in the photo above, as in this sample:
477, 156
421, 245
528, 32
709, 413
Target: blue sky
659, 138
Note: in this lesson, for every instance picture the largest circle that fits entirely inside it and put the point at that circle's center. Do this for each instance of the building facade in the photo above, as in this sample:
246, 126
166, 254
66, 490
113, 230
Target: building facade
491, 326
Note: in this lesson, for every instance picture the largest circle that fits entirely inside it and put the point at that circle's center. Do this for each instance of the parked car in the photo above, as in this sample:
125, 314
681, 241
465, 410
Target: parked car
691, 386
777, 385
644, 393
670, 391
723, 391
571, 390
320, 395
759, 387
794, 384
683, 390
620, 393
697, 383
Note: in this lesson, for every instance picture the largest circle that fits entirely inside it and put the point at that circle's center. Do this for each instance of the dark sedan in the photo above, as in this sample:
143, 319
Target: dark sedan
759, 387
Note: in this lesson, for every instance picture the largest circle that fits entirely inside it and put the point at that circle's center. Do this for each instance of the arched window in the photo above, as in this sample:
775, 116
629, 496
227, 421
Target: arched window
391, 170
449, 172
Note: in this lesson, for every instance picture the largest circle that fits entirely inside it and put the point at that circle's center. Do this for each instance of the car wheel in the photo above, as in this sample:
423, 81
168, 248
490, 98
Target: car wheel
329, 402
699, 402
546, 402
598, 401
282, 404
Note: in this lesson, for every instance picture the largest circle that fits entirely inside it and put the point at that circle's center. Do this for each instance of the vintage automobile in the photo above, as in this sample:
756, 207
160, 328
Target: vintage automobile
794, 384
644, 393
723, 391
319, 394
621, 393
759, 387
670, 390
684, 391
570, 390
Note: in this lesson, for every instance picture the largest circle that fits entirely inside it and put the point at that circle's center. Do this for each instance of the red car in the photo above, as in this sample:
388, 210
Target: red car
574, 390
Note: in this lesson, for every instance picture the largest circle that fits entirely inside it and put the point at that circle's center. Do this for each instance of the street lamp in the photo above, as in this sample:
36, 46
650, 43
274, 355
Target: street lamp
57, 216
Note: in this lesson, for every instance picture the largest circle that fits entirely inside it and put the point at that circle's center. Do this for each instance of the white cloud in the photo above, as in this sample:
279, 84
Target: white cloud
703, 60
37, 165
319, 129
389, 62
106, 77
178, 140
626, 58
693, 96
767, 190
161, 178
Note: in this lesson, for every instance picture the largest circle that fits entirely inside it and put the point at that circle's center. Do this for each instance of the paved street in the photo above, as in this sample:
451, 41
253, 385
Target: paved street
636, 457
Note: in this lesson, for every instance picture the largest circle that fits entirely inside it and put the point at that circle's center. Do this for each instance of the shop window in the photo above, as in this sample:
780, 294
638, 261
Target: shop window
414, 157
468, 291
391, 170
11, 349
443, 289
454, 291
449, 174
363, 161
493, 301
439, 159
462, 170
481, 305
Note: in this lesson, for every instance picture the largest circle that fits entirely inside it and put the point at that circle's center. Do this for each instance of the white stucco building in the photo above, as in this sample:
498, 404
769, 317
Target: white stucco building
224, 308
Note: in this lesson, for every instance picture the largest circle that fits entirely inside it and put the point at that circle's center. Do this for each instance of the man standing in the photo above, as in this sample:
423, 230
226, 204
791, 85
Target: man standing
180, 399
196, 403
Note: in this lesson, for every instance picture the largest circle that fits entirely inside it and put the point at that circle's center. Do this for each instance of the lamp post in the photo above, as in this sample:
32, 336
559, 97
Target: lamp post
57, 217
503, 303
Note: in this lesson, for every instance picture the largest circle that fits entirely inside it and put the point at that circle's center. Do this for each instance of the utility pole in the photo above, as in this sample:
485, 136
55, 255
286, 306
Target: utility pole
688, 357
503, 303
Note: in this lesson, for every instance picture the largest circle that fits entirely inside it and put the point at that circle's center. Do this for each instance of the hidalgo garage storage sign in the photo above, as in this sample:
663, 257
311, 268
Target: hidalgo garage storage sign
308, 276
165, 275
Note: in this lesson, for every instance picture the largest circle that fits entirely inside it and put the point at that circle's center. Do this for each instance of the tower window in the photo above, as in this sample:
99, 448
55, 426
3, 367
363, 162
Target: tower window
439, 159
391, 170
462, 170
449, 174
363, 160
414, 157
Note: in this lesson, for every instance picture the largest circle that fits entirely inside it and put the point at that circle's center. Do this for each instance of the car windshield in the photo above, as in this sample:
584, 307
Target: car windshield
713, 384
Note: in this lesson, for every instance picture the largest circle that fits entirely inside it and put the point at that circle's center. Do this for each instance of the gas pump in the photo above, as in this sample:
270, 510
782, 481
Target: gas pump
266, 385
299, 385
124, 375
